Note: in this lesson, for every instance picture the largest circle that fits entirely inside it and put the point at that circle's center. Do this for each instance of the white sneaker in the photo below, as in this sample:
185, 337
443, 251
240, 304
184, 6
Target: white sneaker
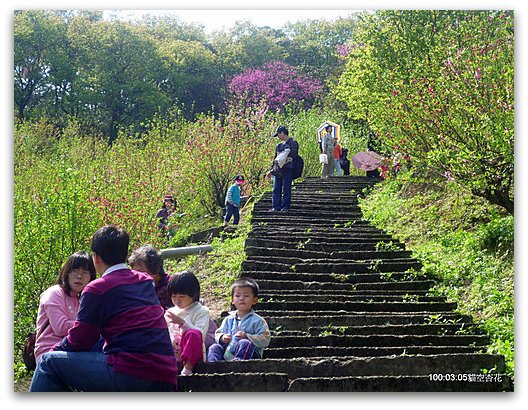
186, 372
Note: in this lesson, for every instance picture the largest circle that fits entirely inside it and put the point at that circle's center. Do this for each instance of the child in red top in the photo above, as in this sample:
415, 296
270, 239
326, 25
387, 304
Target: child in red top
338, 152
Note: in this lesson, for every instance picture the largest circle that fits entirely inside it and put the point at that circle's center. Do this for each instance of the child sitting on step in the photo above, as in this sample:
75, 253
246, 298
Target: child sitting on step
188, 321
243, 334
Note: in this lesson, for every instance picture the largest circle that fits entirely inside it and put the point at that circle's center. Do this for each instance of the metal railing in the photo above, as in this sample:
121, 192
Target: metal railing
175, 253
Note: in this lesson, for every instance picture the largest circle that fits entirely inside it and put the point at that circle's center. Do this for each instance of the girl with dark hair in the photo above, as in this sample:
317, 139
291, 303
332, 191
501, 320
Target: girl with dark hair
188, 321
59, 304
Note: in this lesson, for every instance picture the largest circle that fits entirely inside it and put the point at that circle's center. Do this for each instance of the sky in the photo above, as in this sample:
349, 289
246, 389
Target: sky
219, 19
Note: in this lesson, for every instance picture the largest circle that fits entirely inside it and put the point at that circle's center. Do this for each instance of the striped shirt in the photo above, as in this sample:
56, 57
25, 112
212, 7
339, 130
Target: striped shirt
123, 308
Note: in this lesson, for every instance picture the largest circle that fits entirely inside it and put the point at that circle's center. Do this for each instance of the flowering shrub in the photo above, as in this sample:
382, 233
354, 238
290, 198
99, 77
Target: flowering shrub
217, 149
446, 98
277, 83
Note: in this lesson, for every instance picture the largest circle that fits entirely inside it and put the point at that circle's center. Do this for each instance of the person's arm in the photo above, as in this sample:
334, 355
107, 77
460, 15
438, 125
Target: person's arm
294, 149
261, 336
222, 331
323, 144
230, 195
268, 174
85, 333
199, 321
57, 313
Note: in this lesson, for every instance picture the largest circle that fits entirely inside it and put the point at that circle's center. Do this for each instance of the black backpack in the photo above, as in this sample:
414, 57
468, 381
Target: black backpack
298, 166
28, 354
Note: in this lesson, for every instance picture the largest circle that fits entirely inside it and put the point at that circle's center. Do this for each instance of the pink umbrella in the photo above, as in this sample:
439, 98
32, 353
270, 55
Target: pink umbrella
369, 161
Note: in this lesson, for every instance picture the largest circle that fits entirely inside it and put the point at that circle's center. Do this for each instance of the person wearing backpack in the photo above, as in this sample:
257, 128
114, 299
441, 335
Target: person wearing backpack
284, 176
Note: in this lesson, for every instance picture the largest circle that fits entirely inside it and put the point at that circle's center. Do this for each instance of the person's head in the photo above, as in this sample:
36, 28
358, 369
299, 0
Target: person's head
281, 132
184, 289
147, 259
76, 273
239, 179
328, 129
168, 201
110, 245
244, 294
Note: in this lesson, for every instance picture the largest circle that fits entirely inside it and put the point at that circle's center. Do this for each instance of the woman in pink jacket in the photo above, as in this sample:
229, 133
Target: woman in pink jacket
59, 304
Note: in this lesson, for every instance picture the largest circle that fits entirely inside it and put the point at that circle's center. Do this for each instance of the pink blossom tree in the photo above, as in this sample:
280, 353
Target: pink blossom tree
277, 83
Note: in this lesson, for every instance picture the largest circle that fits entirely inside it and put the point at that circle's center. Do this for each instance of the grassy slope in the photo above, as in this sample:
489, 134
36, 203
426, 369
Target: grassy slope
462, 241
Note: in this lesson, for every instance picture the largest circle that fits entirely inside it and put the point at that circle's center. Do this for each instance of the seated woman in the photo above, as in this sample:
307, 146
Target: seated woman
59, 304
148, 259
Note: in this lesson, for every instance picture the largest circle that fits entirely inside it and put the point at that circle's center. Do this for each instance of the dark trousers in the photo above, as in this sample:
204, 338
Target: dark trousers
232, 210
282, 190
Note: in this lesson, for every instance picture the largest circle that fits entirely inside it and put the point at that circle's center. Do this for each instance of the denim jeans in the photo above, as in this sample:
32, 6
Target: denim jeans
244, 350
86, 371
337, 167
232, 210
282, 190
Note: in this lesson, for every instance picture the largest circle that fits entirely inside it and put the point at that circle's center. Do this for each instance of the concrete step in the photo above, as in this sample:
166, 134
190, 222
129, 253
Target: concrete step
478, 383
338, 298
315, 244
285, 218
394, 285
362, 351
303, 321
407, 329
340, 240
354, 278
378, 340
267, 284
285, 294
307, 201
294, 212
234, 382
321, 266
297, 285
410, 365
252, 251
357, 306
349, 227
336, 230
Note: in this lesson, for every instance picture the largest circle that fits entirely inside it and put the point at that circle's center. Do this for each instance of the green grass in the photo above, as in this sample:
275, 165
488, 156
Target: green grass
463, 242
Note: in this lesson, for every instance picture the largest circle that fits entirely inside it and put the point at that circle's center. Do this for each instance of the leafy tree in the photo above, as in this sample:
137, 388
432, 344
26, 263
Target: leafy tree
117, 73
189, 75
439, 86
313, 46
42, 70
220, 147
248, 46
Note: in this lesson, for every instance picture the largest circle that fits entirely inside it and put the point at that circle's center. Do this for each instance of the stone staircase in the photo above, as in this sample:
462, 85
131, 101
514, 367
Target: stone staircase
347, 308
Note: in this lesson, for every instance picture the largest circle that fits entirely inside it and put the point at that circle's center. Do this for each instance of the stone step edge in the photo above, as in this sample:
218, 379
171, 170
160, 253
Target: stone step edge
400, 384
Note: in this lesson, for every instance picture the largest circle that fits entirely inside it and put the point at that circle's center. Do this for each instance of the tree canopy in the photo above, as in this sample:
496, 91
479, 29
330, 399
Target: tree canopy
438, 85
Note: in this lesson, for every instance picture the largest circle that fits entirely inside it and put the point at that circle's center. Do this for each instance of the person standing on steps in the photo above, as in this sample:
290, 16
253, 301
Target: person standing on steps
338, 152
345, 162
328, 144
232, 201
282, 182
